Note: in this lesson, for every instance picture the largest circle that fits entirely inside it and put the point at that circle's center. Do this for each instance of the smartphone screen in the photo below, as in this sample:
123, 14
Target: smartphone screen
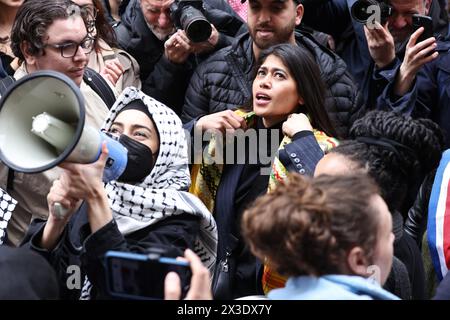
426, 22
136, 276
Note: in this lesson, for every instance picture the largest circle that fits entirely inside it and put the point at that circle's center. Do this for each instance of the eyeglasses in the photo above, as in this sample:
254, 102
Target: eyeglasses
70, 49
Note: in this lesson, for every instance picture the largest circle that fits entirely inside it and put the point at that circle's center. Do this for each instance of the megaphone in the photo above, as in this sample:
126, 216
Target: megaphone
42, 123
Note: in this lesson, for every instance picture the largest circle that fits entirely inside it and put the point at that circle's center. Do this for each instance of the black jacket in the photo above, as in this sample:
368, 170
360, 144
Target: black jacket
25, 275
79, 247
224, 81
416, 223
301, 156
5, 68
161, 79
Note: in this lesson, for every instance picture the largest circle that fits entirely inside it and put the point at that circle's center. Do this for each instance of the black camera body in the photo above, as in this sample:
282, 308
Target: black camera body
361, 10
188, 16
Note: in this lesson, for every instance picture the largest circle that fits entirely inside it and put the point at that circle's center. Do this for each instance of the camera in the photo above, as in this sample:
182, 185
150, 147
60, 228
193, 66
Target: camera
361, 10
188, 16
141, 276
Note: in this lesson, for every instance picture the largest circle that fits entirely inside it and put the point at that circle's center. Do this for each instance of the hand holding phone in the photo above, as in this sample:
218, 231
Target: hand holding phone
420, 49
426, 22
141, 276
200, 288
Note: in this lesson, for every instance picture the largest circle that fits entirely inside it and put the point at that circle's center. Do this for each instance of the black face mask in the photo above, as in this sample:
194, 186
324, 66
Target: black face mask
140, 161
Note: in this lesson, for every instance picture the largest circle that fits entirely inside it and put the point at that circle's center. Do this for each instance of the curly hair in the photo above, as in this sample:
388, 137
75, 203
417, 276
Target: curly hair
308, 226
396, 170
32, 22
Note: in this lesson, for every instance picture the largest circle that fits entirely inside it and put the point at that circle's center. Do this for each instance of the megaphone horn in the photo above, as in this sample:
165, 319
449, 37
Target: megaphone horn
42, 123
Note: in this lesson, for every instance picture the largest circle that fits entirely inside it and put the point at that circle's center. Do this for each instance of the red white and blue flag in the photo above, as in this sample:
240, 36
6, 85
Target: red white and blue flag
438, 227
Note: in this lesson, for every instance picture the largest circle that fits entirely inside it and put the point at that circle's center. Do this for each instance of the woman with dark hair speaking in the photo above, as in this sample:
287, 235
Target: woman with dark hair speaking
289, 130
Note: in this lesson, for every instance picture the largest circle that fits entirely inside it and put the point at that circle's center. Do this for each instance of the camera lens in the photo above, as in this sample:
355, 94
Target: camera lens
359, 10
197, 28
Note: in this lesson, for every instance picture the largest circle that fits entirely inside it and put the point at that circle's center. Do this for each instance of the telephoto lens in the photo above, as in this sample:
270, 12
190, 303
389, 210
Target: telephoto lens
194, 23
189, 18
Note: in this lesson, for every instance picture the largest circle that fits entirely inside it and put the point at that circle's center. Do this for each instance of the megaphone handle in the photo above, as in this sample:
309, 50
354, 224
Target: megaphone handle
59, 210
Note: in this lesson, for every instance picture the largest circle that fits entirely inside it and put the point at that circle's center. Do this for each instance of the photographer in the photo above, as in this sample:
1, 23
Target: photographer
372, 55
166, 56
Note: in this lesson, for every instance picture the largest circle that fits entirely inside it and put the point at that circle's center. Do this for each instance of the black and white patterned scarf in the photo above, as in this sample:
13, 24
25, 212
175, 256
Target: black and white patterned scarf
164, 192
7, 205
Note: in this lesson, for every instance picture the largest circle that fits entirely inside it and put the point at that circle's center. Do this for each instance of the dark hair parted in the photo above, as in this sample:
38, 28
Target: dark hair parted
310, 85
32, 21
395, 172
308, 226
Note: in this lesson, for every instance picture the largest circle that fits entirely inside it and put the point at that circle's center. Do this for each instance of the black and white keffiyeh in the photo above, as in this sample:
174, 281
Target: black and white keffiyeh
165, 191
7, 205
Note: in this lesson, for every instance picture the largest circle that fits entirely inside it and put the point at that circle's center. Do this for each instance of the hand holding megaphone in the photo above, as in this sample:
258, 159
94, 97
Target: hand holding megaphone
77, 182
60, 205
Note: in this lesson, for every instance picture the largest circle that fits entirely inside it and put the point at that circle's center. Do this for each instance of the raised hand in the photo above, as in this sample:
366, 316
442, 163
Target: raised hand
416, 55
178, 47
222, 121
112, 70
296, 122
381, 44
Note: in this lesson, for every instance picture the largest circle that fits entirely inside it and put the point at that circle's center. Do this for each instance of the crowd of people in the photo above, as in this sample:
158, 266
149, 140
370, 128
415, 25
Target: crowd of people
294, 152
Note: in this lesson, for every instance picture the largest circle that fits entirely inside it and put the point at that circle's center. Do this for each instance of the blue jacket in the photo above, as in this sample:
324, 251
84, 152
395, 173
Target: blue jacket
334, 18
430, 95
331, 287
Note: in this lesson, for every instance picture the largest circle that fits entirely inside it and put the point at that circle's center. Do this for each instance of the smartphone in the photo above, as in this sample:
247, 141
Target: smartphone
426, 22
141, 276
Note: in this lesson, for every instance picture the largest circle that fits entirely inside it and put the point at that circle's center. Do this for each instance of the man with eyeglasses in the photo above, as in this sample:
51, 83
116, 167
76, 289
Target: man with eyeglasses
48, 35
373, 54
